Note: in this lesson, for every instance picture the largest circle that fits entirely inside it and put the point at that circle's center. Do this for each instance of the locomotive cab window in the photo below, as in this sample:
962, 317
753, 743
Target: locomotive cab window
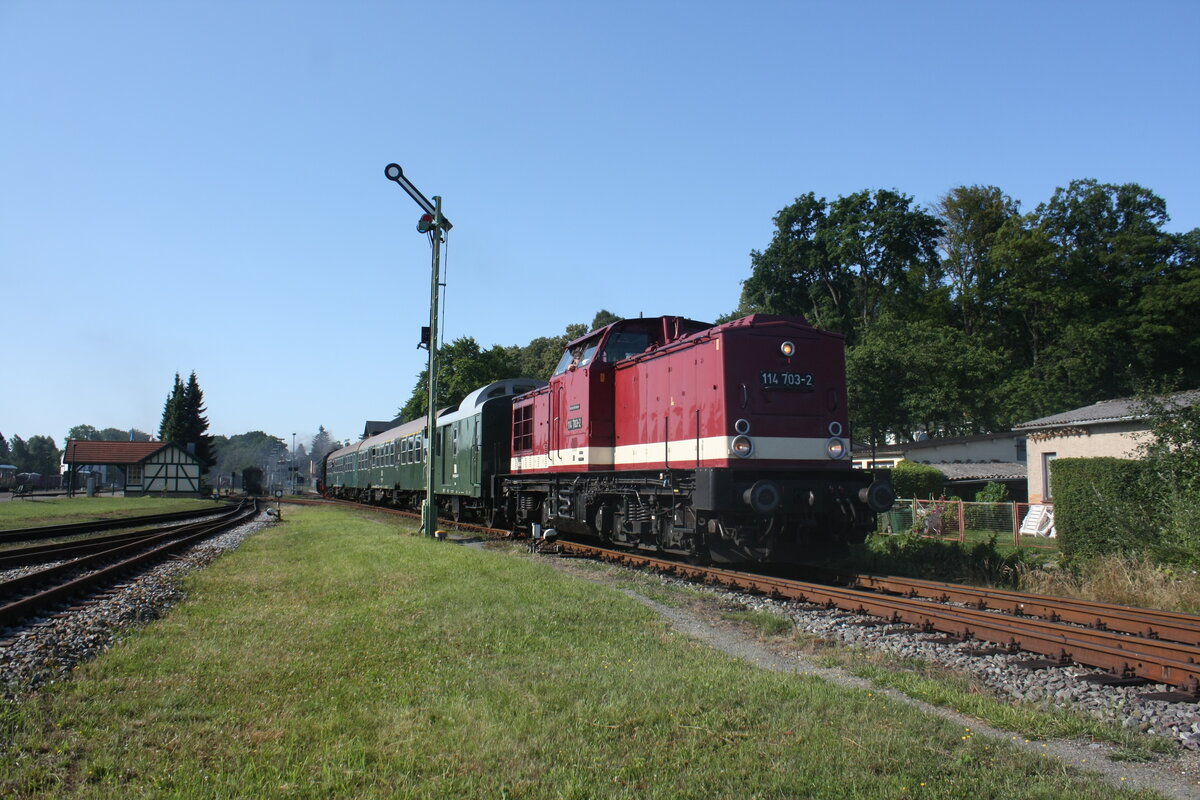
623, 344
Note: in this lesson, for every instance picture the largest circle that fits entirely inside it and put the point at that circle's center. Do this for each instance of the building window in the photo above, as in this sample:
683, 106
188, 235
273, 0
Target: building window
134, 476
1047, 496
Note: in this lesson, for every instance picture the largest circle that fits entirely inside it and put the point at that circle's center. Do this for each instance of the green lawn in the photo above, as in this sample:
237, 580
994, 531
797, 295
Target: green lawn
332, 656
28, 513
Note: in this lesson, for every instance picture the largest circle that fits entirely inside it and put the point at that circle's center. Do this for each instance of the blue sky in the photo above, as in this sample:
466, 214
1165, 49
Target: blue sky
199, 185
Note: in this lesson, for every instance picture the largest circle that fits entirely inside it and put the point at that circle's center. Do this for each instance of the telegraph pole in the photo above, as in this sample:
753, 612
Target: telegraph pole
433, 223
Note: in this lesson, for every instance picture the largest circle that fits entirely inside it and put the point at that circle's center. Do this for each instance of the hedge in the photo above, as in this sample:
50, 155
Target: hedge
922, 481
1100, 506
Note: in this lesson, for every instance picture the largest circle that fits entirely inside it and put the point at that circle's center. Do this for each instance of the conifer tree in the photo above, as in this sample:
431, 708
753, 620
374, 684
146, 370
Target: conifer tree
194, 423
183, 420
169, 429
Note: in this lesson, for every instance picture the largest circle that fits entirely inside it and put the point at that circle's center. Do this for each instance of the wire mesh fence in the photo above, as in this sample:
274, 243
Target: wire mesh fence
1018, 524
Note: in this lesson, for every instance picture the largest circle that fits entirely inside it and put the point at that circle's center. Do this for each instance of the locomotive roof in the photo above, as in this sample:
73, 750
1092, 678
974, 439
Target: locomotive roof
695, 327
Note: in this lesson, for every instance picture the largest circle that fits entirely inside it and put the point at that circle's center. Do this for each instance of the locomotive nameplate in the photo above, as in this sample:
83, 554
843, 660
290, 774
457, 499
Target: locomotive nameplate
798, 381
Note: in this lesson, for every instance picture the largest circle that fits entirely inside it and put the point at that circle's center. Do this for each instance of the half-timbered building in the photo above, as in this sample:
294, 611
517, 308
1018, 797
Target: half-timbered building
156, 468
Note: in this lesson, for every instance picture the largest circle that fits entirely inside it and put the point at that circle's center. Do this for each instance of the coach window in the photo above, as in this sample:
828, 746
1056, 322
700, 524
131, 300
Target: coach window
454, 443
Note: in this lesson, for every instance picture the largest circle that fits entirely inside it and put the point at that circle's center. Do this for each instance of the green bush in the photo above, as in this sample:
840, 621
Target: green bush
1100, 507
916, 556
922, 481
992, 493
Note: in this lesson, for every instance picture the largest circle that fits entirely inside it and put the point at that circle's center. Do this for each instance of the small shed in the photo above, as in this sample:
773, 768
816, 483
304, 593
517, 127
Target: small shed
1109, 428
157, 468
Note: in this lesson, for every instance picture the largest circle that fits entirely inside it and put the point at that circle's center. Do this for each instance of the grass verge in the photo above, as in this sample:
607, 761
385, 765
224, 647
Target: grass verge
332, 657
64, 510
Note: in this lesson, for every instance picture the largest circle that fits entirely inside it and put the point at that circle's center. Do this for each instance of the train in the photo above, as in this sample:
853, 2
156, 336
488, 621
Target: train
721, 443
8, 477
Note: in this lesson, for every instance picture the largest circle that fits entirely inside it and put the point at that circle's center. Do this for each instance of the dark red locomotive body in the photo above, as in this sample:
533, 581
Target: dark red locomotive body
726, 442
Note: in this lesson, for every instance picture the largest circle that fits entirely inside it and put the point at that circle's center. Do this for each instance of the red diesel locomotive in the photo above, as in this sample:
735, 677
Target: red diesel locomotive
726, 443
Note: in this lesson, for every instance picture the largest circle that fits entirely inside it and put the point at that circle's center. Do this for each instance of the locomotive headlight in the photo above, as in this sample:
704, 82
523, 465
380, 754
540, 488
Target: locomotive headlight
835, 428
788, 349
742, 446
742, 426
835, 448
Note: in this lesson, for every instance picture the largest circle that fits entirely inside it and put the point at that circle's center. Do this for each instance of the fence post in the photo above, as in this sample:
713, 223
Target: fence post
962, 524
1016, 527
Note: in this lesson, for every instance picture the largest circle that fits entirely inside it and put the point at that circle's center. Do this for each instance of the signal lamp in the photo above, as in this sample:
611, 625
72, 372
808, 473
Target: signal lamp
425, 223
787, 349
835, 448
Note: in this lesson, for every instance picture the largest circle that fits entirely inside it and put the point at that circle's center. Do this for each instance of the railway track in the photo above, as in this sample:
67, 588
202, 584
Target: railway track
1005, 620
75, 528
104, 561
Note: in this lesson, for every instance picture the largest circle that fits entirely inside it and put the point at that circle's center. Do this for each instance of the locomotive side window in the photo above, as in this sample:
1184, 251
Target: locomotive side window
523, 428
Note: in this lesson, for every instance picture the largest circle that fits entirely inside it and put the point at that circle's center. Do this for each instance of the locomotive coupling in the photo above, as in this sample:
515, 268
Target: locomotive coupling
879, 496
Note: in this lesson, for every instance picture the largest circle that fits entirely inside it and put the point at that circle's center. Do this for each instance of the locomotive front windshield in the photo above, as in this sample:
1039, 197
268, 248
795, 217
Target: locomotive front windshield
626, 338
579, 355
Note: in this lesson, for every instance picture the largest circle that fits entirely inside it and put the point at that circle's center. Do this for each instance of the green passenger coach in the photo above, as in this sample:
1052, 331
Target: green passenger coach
473, 445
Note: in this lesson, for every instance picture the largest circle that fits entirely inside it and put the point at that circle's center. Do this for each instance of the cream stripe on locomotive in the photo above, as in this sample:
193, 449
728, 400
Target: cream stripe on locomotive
681, 453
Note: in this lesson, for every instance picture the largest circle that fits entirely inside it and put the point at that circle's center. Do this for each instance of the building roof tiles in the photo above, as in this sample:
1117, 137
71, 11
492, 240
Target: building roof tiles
81, 452
1119, 410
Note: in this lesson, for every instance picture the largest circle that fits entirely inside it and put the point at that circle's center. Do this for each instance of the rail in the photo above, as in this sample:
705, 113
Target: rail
1124, 656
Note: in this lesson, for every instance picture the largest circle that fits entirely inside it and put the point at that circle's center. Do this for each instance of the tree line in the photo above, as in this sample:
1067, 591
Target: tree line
38, 454
184, 424
972, 317
965, 318
464, 366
